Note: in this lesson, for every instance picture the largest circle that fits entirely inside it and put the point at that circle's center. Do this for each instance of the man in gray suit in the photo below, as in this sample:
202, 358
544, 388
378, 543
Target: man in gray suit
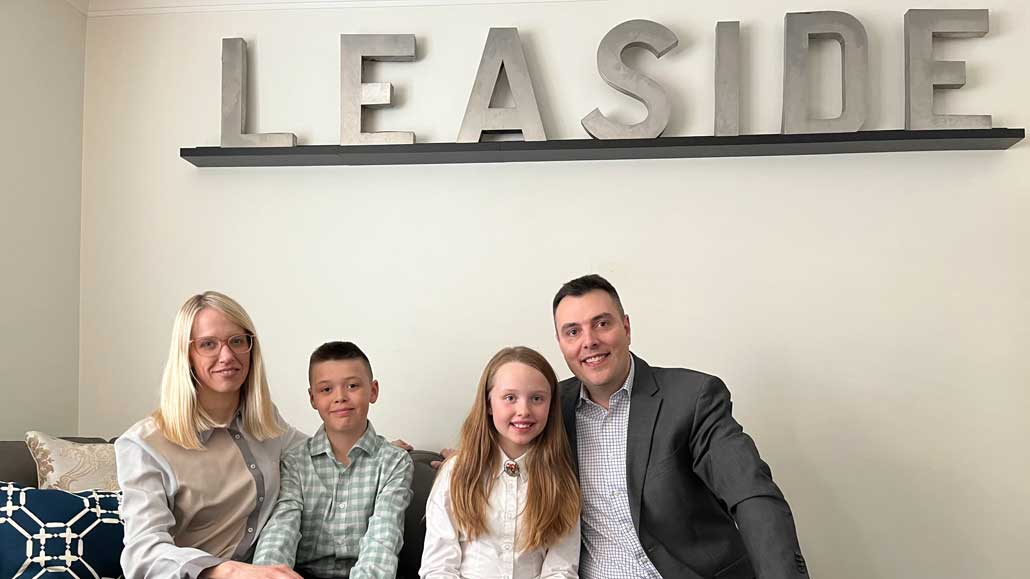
672, 486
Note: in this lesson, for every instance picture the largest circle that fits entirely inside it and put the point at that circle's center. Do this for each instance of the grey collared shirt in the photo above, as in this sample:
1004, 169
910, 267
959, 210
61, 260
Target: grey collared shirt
188, 510
611, 547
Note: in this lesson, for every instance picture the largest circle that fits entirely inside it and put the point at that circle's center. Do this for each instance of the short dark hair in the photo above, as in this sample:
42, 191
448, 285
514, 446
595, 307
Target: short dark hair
331, 351
584, 285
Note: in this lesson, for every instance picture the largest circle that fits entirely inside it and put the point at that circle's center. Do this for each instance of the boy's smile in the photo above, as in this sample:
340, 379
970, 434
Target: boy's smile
341, 391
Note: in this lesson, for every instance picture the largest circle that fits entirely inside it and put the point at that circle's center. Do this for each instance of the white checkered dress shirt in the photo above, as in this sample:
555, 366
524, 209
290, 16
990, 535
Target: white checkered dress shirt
612, 549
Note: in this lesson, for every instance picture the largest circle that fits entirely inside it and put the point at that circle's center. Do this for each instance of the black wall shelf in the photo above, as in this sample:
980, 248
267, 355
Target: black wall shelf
593, 149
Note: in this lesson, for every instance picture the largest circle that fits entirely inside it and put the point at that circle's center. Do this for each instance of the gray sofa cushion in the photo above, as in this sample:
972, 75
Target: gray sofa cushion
415, 517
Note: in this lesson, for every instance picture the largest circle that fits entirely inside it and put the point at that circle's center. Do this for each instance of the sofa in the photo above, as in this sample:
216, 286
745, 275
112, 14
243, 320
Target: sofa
17, 466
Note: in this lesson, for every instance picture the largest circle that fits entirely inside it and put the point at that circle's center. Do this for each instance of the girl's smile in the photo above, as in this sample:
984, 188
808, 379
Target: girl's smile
519, 402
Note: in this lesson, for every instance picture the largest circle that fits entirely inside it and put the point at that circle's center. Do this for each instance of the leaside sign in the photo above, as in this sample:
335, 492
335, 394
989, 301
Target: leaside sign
503, 51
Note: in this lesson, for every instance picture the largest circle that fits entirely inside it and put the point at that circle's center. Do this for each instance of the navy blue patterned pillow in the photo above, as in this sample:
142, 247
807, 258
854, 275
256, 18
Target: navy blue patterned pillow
46, 534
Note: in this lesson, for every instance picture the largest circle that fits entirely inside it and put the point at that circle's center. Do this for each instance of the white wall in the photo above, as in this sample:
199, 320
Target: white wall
869, 312
42, 52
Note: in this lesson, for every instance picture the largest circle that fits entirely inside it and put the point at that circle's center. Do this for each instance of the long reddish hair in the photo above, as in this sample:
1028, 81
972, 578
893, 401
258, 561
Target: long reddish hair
553, 499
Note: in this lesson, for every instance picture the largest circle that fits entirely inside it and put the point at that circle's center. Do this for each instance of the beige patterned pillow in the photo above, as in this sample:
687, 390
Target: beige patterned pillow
71, 466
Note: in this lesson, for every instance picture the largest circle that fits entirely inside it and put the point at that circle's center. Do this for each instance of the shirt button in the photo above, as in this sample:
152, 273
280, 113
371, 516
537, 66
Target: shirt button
236, 436
250, 530
507, 547
253, 466
261, 499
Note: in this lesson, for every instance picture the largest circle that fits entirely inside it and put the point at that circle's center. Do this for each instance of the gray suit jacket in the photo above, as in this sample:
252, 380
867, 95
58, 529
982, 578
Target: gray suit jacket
703, 502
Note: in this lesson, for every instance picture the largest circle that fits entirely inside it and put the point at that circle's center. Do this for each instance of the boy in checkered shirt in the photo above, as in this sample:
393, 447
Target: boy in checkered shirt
343, 493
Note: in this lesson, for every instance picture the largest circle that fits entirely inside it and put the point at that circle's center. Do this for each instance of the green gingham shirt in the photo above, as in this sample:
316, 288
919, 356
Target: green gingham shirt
339, 521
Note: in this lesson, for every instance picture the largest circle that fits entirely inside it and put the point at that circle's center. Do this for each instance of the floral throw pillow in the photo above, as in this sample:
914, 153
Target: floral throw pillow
71, 466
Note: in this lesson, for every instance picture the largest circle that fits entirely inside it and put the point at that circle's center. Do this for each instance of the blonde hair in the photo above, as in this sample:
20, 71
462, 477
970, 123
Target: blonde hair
553, 499
180, 418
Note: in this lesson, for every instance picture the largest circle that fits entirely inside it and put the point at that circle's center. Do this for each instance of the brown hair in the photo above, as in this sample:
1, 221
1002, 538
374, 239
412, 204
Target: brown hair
553, 501
333, 351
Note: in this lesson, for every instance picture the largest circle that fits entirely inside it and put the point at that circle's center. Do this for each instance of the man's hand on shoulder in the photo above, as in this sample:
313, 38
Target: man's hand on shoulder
447, 453
402, 444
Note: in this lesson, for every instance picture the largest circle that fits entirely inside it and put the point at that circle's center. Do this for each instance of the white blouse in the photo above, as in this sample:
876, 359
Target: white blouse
449, 554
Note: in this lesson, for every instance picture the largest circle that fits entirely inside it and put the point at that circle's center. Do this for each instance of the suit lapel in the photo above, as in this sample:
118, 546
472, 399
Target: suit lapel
645, 402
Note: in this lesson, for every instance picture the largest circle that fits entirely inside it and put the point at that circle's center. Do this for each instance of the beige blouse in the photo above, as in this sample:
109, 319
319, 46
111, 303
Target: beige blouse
188, 510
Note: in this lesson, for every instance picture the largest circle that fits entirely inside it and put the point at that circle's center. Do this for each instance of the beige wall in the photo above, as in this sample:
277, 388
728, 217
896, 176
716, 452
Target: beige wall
42, 51
869, 312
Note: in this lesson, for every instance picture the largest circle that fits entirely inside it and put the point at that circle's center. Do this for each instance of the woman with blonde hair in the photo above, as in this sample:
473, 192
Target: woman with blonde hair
507, 505
200, 475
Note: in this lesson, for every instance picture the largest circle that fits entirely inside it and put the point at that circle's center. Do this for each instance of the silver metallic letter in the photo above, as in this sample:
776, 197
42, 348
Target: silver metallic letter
727, 79
632, 34
354, 94
923, 74
503, 49
234, 102
799, 28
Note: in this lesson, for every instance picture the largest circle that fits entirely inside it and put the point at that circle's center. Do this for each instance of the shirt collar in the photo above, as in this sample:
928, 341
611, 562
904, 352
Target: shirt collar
521, 461
368, 443
235, 425
584, 396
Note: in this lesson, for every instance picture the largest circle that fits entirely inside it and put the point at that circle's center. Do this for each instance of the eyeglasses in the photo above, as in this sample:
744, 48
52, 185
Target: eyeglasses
210, 346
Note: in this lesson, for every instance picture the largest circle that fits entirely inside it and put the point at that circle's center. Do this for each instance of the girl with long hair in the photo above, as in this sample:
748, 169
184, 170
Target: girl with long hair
507, 505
